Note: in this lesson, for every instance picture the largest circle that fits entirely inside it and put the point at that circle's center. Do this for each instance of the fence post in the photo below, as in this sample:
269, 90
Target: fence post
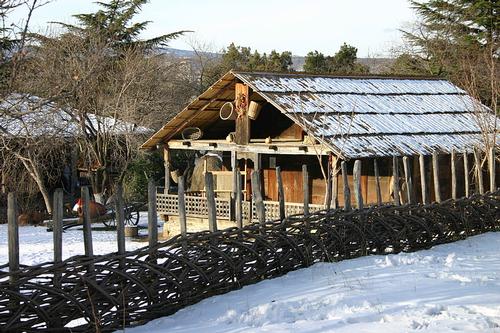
408, 180
305, 189
479, 171
239, 199
453, 165
435, 173
257, 197
377, 182
395, 180
347, 191
87, 228
356, 174
232, 209
492, 169
281, 193
335, 183
466, 174
120, 218
182, 206
152, 218
212, 212
13, 238
328, 195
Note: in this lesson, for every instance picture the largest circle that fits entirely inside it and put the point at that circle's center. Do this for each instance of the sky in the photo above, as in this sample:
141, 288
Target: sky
298, 26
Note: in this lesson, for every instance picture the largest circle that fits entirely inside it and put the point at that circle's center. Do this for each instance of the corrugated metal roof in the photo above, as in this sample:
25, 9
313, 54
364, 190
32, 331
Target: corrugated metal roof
364, 117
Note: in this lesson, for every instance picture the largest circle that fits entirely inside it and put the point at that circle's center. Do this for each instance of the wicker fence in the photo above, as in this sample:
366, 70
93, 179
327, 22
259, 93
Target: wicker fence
104, 293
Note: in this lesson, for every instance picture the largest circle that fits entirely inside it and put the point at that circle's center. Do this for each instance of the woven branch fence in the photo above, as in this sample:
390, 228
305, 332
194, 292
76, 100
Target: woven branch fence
114, 291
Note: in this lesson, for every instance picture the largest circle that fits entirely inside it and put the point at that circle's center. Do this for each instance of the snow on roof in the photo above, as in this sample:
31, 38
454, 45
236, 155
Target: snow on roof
355, 116
26, 115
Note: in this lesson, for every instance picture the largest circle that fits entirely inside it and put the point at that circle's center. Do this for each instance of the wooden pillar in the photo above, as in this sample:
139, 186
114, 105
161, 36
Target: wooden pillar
182, 206
305, 189
13, 235
74, 170
453, 165
212, 212
466, 174
377, 182
152, 215
242, 100
57, 224
87, 229
239, 199
395, 180
479, 171
328, 195
492, 169
423, 180
232, 210
257, 197
120, 218
435, 173
335, 183
281, 193
356, 173
347, 191
166, 163
408, 180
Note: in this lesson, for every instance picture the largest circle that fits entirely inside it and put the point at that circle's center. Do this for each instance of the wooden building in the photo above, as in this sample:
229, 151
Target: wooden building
264, 120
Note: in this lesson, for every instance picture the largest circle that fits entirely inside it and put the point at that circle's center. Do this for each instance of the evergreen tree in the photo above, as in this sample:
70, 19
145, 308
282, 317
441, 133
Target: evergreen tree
343, 62
243, 59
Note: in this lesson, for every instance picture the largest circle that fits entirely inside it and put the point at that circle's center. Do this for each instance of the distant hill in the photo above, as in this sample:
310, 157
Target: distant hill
376, 65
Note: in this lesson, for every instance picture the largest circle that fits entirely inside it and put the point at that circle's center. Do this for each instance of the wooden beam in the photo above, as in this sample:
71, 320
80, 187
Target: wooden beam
423, 180
492, 168
152, 218
257, 197
335, 183
356, 173
479, 171
239, 199
453, 166
328, 196
377, 182
212, 211
395, 180
347, 191
466, 174
281, 193
87, 228
435, 173
408, 180
166, 162
57, 224
120, 218
182, 206
13, 235
305, 189
242, 100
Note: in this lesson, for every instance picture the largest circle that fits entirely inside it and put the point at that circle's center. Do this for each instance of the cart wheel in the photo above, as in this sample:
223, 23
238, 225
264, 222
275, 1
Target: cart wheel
111, 223
132, 218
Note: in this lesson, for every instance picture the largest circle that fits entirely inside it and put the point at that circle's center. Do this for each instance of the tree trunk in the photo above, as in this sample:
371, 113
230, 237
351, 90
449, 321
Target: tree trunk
35, 174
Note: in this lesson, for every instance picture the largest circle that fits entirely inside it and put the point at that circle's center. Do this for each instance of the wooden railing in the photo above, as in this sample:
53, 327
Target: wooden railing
168, 204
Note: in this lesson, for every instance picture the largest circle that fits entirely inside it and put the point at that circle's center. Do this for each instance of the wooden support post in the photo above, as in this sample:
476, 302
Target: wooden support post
453, 165
57, 224
492, 169
466, 174
408, 180
328, 195
281, 193
120, 218
239, 199
423, 180
479, 171
335, 183
377, 182
395, 180
435, 173
87, 228
257, 197
13, 237
232, 210
305, 189
347, 191
356, 173
212, 212
182, 206
152, 217
166, 162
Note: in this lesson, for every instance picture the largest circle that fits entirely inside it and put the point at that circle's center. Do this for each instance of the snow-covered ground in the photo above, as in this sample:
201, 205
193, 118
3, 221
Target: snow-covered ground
449, 288
36, 246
